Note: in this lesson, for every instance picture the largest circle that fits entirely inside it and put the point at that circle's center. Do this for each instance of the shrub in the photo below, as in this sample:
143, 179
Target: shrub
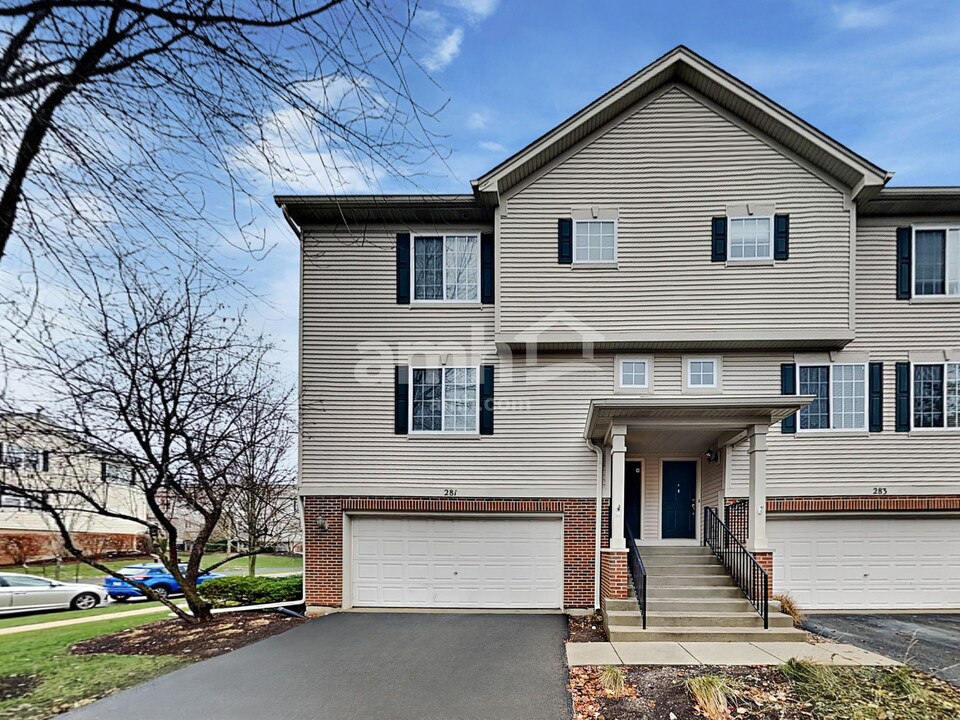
712, 694
241, 590
790, 607
613, 680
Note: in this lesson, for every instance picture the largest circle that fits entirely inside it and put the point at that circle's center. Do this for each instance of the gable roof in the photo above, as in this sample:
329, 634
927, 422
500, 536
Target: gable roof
684, 66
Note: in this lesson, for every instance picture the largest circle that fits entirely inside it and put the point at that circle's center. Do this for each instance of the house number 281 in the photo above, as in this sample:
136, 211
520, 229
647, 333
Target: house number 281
450, 492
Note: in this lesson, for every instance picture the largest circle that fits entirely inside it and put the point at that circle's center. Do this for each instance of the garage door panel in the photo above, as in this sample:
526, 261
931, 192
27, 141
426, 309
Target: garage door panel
867, 563
457, 562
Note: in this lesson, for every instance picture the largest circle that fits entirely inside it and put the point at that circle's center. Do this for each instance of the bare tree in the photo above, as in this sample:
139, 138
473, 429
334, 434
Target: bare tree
160, 378
262, 511
121, 121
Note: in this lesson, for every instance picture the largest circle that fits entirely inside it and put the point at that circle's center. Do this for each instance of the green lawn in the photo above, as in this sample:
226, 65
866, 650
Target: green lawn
70, 680
54, 615
79, 572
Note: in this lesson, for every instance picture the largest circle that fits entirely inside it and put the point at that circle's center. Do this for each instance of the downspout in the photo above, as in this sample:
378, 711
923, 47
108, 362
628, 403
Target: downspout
599, 526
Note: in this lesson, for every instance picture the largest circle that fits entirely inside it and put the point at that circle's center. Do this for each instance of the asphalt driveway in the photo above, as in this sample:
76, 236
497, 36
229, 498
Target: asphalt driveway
928, 642
370, 666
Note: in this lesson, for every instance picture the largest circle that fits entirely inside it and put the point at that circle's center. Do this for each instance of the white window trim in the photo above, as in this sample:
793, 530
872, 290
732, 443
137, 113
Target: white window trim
866, 398
413, 269
443, 400
618, 371
945, 296
717, 369
766, 258
616, 242
941, 428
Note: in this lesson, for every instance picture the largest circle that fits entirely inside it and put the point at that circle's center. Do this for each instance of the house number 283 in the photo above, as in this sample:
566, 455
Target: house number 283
879, 491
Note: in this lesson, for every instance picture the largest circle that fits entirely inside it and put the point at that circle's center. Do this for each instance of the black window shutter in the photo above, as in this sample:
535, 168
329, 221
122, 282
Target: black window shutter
103, 472
781, 237
401, 399
486, 268
486, 399
904, 262
718, 246
788, 386
565, 241
876, 397
403, 268
903, 397
45, 459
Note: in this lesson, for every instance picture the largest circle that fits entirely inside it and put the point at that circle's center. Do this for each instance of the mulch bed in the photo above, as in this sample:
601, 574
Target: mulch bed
585, 628
226, 632
659, 693
14, 686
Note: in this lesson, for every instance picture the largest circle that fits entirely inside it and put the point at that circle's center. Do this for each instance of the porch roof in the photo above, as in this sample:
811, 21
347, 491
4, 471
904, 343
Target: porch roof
723, 412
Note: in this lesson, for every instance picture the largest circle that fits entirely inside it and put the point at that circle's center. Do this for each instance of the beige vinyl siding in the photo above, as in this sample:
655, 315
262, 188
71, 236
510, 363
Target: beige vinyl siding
668, 169
711, 484
854, 463
348, 445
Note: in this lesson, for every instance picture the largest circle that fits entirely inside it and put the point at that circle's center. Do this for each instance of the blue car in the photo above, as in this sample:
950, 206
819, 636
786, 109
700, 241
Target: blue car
154, 575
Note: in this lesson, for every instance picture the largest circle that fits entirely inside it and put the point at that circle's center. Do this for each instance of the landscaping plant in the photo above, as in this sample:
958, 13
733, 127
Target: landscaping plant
790, 607
243, 590
712, 694
613, 680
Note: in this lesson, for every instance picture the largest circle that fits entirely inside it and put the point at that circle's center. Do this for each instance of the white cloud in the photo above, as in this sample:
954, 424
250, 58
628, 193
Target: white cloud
445, 51
476, 9
477, 120
854, 16
492, 146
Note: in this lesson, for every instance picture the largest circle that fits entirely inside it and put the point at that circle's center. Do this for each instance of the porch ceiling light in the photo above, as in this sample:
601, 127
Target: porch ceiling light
712, 456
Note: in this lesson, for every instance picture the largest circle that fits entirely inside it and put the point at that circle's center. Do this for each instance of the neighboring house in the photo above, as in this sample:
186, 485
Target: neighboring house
683, 297
43, 458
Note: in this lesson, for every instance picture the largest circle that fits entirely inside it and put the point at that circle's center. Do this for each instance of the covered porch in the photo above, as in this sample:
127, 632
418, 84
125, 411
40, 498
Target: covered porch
665, 460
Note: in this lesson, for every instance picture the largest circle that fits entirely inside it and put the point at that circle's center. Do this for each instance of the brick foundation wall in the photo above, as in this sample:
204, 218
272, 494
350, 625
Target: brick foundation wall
765, 560
323, 568
614, 575
839, 503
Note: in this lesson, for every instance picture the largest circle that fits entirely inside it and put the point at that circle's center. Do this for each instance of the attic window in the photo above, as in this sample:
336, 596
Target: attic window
594, 241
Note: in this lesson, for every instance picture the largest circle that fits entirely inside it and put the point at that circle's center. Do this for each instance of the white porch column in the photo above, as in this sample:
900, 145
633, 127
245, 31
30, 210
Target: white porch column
618, 454
757, 533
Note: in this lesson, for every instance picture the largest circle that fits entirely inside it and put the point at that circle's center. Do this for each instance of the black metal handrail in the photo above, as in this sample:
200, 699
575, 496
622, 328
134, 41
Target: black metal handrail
743, 567
638, 572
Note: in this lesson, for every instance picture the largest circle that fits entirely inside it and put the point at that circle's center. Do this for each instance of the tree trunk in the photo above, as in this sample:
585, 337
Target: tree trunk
252, 565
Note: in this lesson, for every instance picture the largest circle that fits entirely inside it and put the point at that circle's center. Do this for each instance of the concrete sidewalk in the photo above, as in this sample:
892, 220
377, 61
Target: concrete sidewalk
718, 653
81, 620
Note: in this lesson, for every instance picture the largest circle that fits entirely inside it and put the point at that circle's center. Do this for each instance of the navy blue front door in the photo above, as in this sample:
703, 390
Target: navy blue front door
679, 499
632, 487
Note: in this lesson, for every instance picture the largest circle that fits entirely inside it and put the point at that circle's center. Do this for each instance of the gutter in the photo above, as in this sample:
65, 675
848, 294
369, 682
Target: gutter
596, 560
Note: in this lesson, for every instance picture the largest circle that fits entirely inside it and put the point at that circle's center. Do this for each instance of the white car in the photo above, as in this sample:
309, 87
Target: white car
22, 593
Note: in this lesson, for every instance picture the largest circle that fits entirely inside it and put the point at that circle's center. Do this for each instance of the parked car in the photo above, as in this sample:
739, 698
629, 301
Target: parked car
21, 593
154, 575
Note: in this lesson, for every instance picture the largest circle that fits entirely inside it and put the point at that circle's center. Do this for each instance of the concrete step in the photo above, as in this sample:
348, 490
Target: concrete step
651, 550
679, 561
740, 619
693, 590
615, 605
669, 570
633, 633
699, 604
688, 579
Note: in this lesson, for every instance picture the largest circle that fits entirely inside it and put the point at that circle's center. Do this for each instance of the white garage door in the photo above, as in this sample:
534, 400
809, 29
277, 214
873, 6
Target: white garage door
867, 563
457, 562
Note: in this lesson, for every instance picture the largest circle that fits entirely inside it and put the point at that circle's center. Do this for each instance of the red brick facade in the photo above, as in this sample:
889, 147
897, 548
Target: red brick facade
35, 545
614, 575
323, 571
765, 560
839, 503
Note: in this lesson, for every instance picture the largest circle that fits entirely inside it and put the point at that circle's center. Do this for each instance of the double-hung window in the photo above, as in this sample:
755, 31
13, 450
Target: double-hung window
19, 456
117, 473
936, 395
446, 268
840, 396
594, 241
444, 399
936, 255
751, 238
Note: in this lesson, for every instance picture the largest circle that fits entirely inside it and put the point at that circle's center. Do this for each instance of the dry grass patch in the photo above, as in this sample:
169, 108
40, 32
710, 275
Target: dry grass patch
790, 607
713, 695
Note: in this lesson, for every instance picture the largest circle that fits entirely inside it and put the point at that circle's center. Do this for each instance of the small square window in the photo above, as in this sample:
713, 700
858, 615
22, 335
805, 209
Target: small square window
594, 241
633, 373
702, 373
751, 238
